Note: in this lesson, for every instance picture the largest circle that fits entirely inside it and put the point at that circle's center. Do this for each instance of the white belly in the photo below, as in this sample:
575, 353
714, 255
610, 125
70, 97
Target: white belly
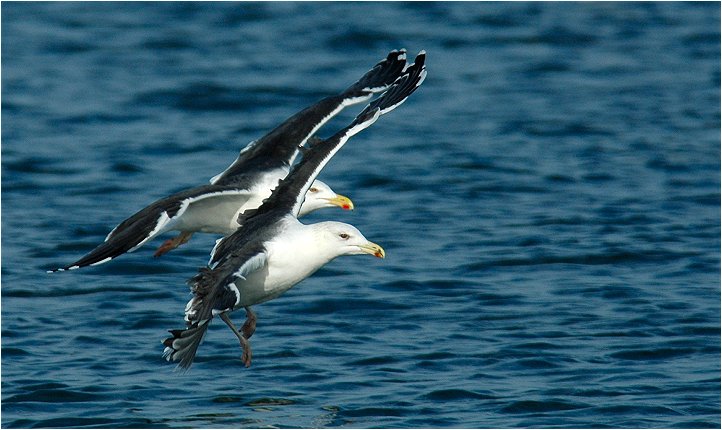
268, 283
285, 267
219, 214
215, 214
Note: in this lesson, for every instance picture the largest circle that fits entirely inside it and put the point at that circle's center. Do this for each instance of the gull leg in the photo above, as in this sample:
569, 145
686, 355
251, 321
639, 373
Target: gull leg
249, 327
174, 243
245, 344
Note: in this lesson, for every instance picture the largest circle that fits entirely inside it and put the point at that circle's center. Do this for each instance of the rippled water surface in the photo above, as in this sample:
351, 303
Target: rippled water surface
549, 202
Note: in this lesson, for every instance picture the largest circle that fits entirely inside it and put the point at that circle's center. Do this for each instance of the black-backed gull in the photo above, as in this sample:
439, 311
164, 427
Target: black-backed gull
214, 208
272, 251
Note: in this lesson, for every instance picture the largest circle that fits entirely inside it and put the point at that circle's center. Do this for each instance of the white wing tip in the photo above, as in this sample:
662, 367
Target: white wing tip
62, 269
422, 76
105, 260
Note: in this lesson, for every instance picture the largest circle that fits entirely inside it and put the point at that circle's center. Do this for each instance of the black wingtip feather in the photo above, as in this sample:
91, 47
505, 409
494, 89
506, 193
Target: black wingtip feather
383, 74
103, 253
402, 87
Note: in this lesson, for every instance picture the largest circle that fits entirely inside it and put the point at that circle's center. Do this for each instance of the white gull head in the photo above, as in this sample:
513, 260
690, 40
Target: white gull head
320, 195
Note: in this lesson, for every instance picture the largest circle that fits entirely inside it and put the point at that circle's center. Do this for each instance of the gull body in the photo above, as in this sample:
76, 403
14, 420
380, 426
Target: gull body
296, 253
272, 251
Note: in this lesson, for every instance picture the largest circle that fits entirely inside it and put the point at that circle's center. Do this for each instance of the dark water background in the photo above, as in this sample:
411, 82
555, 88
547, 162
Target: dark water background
549, 202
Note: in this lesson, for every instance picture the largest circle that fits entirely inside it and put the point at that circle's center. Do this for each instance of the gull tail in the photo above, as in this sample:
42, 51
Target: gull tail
183, 344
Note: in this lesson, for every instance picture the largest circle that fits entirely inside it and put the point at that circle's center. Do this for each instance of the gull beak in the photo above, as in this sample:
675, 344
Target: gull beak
373, 249
342, 201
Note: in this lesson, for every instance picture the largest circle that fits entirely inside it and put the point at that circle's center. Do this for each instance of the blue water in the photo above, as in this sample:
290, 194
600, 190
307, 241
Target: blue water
549, 201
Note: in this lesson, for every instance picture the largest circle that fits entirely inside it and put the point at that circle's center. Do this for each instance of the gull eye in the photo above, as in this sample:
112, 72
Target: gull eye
344, 236
313, 189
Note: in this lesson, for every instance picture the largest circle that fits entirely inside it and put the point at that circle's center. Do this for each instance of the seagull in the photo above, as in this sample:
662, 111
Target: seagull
214, 208
272, 251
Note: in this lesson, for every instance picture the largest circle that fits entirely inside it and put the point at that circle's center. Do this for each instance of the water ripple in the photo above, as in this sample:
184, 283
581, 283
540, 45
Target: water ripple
549, 201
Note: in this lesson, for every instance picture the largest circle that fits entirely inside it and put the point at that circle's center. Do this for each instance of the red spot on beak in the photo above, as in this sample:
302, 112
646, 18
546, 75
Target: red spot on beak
346, 207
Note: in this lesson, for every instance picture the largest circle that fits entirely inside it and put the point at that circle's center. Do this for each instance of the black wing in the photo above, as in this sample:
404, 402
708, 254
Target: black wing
210, 288
289, 195
145, 224
280, 147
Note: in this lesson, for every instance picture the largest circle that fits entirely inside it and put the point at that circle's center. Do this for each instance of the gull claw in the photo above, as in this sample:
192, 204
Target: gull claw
173, 243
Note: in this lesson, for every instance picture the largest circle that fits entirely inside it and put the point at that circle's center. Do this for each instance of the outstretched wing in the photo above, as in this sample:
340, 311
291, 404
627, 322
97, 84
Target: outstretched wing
280, 147
156, 218
289, 195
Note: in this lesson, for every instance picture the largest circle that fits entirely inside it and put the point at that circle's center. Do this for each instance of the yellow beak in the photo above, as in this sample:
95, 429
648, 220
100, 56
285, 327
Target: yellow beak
342, 201
373, 249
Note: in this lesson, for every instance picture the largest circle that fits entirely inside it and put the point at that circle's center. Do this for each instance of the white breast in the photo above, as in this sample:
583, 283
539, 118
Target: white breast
213, 214
290, 261
219, 214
